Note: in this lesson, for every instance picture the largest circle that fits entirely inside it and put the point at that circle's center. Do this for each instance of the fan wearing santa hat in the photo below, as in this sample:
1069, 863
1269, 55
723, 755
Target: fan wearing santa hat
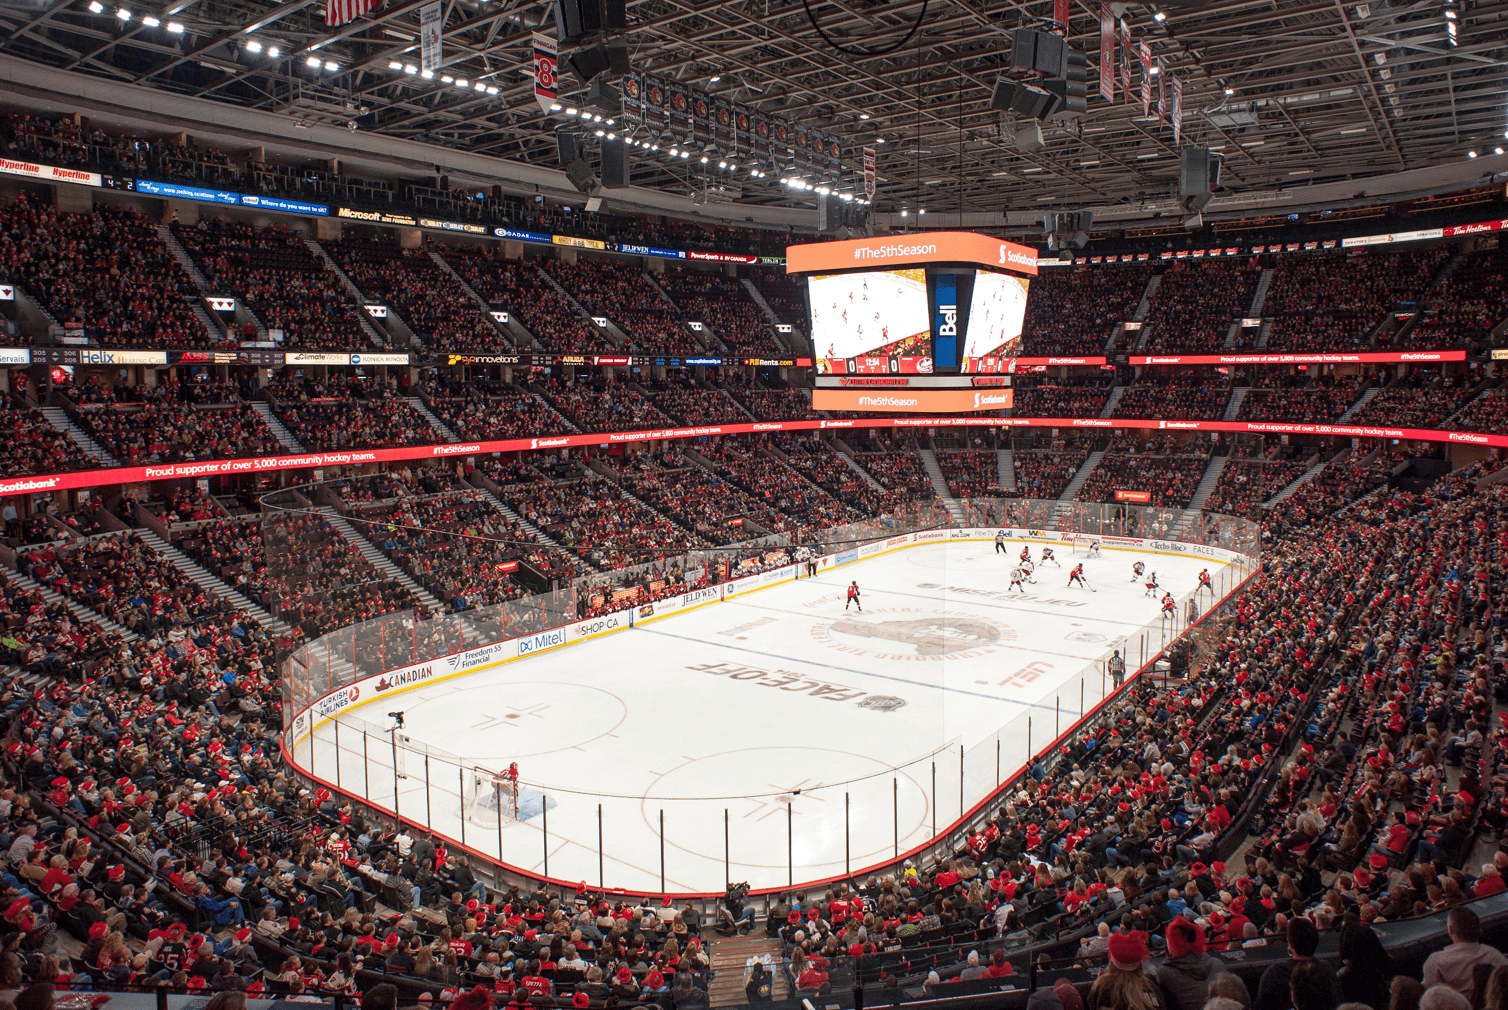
1186, 972
1125, 983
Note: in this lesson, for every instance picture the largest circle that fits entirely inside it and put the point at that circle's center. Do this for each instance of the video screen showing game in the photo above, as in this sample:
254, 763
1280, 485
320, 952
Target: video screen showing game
996, 313
871, 322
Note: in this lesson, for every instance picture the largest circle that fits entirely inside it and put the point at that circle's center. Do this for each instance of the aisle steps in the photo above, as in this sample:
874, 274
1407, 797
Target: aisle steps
1302, 479
61, 422
1005, 464
367, 326
940, 484
853, 465
1233, 406
379, 560
215, 586
279, 431
1079, 478
1362, 401
434, 422
1207, 482
1113, 400
184, 259
732, 957
86, 615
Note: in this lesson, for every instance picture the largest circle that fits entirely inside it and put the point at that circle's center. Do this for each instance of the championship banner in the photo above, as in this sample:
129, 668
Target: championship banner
680, 109
1107, 52
1177, 87
1060, 13
633, 97
869, 173
1144, 56
761, 135
834, 152
1162, 93
654, 102
1125, 59
431, 23
780, 136
545, 70
701, 115
722, 125
803, 148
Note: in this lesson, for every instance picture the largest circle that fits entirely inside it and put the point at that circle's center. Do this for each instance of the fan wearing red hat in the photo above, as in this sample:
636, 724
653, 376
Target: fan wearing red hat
1125, 982
1186, 972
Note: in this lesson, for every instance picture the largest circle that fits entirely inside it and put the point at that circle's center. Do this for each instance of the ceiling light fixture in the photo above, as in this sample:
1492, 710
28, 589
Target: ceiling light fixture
123, 14
331, 65
174, 28
150, 21
312, 61
274, 52
1159, 17
253, 46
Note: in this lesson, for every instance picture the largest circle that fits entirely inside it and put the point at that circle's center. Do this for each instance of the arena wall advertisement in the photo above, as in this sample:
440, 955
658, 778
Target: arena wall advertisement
260, 464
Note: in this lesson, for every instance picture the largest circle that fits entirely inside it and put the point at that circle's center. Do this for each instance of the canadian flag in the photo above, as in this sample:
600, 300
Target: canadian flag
340, 12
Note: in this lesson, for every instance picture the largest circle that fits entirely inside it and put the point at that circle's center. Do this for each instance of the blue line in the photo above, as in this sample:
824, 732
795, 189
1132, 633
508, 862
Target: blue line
843, 669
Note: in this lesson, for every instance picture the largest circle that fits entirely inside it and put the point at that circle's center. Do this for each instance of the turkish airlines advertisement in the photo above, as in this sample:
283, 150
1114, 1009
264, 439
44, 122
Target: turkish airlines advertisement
871, 321
996, 313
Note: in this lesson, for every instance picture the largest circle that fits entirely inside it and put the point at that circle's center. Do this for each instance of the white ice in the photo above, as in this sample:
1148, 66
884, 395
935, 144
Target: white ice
771, 707
853, 314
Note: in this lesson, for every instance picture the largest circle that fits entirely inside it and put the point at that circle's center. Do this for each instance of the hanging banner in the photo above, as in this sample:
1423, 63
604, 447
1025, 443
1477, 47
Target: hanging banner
1162, 93
1125, 57
834, 153
545, 67
431, 23
722, 125
1144, 57
1060, 15
761, 139
680, 109
655, 98
869, 173
743, 126
633, 97
1107, 52
701, 115
780, 136
802, 142
1177, 87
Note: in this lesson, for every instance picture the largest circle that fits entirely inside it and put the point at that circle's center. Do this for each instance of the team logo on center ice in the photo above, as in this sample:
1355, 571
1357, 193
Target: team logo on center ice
1084, 636
935, 635
882, 702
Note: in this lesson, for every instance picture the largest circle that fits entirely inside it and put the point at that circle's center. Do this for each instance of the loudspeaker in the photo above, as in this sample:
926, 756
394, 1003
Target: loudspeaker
1029, 138
566, 148
1194, 187
615, 17
576, 19
1072, 89
1022, 99
824, 214
614, 164
1041, 52
580, 174
602, 95
497, 192
588, 63
617, 57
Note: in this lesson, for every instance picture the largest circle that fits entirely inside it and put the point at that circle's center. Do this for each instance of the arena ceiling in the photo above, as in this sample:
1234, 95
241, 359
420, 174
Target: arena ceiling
1290, 92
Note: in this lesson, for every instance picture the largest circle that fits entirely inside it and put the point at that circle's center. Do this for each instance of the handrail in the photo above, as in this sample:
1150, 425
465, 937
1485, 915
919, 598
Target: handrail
355, 457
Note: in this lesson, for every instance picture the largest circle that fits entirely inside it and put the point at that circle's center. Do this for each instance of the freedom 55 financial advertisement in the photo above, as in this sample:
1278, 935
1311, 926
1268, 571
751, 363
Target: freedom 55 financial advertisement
871, 322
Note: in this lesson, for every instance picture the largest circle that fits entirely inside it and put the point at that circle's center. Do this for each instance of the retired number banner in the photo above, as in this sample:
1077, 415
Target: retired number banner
1144, 56
545, 67
869, 173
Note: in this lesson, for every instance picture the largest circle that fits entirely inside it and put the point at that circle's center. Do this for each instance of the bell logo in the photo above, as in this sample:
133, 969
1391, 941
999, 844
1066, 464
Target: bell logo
949, 325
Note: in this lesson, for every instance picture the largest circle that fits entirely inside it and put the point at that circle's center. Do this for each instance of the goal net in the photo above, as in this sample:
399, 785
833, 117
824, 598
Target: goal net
491, 793
1081, 543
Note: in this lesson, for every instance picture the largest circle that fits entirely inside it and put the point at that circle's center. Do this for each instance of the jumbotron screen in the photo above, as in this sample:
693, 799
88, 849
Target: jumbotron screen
871, 322
996, 312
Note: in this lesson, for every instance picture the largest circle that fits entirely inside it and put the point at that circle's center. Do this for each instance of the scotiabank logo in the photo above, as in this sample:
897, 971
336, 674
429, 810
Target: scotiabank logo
39, 484
1009, 257
985, 400
1178, 424
546, 443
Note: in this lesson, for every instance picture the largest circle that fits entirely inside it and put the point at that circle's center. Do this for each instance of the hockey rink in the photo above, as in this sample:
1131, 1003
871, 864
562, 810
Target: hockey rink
774, 731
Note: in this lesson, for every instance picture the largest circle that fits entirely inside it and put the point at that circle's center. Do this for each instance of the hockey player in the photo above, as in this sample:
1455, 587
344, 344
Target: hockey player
1047, 556
1136, 571
1094, 548
1204, 581
1000, 543
1077, 575
1169, 606
1029, 571
1016, 578
1152, 585
1026, 554
853, 596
